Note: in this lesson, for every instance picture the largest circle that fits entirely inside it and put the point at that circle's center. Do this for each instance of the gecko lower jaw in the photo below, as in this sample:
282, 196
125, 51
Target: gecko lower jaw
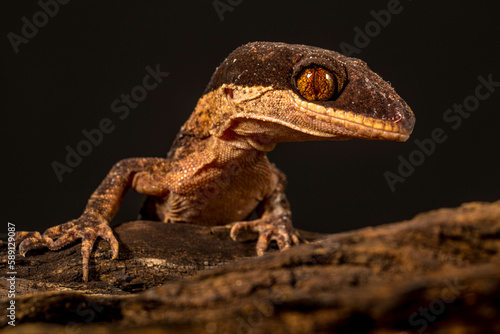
363, 126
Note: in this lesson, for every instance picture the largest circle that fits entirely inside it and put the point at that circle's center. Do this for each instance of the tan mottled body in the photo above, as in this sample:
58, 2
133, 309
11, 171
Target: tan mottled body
226, 188
217, 171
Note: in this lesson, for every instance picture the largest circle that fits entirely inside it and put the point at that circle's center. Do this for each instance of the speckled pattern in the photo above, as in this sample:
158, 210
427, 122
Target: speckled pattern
217, 171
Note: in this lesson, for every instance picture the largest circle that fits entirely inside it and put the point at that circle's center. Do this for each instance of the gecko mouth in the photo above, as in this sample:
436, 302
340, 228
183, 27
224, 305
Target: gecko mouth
363, 126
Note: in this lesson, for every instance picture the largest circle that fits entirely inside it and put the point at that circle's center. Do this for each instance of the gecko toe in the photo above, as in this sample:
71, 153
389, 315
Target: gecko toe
55, 232
267, 232
106, 233
87, 244
31, 240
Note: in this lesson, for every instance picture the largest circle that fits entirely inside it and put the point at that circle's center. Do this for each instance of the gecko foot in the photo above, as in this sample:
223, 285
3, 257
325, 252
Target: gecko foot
283, 234
86, 228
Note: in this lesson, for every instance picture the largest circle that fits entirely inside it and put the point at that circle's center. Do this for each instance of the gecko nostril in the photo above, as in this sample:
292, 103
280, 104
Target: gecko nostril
397, 117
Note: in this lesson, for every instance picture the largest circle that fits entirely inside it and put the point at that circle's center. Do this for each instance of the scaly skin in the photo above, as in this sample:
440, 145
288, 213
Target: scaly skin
217, 171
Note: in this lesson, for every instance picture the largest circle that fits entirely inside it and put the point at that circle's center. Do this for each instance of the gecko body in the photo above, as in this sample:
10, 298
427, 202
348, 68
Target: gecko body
217, 171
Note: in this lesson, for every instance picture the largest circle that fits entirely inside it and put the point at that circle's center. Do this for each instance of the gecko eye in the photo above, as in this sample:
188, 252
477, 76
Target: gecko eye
317, 84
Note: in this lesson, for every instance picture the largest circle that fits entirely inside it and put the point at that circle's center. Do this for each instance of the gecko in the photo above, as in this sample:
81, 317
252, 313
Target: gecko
217, 171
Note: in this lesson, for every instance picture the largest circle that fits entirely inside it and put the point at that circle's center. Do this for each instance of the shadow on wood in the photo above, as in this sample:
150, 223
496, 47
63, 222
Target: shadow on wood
437, 272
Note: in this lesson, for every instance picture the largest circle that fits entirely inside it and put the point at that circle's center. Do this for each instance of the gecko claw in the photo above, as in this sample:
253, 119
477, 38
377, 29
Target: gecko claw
284, 235
30, 240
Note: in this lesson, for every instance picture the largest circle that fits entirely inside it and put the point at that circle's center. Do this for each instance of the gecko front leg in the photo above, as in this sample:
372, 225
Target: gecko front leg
275, 221
142, 174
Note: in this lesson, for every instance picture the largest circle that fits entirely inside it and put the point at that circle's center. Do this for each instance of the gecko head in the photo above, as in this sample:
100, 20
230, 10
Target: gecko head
298, 92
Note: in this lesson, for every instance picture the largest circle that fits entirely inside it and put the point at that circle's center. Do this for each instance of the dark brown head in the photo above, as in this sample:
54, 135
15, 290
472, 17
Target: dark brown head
316, 93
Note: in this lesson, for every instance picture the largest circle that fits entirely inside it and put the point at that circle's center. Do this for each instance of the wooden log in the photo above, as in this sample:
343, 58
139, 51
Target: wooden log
439, 272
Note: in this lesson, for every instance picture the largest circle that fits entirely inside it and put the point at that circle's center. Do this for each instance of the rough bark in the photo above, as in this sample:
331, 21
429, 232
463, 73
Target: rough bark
439, 272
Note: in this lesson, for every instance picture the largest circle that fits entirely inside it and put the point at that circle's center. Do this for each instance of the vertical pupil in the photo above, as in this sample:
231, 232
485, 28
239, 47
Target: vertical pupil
319, 81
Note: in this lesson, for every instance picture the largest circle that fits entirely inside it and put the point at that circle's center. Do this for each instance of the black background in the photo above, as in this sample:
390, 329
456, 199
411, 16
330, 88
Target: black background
65, 78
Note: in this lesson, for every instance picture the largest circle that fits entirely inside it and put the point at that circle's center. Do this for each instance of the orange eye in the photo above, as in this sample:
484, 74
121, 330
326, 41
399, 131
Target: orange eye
316, 84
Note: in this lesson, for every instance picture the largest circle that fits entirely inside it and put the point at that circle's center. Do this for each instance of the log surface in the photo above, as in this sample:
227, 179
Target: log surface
439, 272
